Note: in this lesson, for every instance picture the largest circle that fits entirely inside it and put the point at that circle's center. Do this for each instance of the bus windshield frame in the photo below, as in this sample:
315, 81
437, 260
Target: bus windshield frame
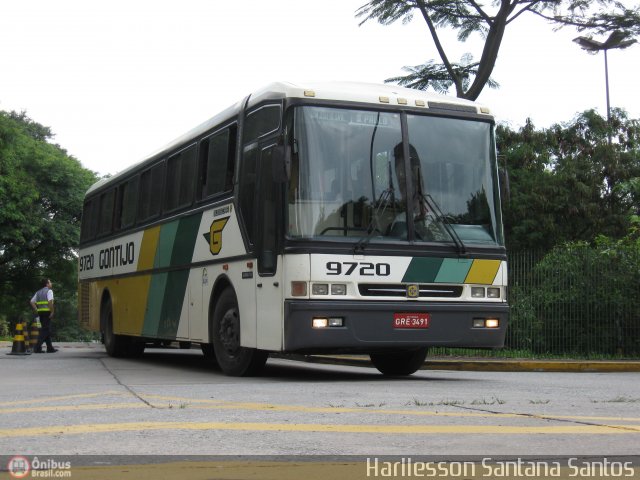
382, 176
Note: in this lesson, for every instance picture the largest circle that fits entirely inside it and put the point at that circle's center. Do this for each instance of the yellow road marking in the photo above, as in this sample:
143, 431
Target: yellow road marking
227, 405
59, 398
321, 428
212, 404
67, 408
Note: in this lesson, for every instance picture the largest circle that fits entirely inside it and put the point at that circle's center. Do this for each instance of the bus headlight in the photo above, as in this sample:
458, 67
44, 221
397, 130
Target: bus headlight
320, 289
493, 292
477, 292
338, 289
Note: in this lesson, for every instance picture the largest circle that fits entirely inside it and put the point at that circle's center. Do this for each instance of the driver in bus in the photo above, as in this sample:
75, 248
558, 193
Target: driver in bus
423, 222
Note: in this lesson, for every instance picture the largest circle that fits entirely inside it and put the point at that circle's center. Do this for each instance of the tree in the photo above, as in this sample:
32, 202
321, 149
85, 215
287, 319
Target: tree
568, 183
41, 195
469, 17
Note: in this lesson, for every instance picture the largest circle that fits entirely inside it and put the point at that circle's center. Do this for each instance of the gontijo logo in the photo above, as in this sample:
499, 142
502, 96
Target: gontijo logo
19, 467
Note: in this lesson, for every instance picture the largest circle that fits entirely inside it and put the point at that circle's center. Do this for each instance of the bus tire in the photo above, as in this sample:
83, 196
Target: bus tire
399, 362
233, 359
209, 355
115, 345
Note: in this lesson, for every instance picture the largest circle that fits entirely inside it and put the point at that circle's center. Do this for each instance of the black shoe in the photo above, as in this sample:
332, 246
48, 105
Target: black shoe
52, 351
38, 351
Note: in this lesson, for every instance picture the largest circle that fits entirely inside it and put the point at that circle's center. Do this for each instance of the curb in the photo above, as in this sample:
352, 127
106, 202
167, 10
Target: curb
487, 365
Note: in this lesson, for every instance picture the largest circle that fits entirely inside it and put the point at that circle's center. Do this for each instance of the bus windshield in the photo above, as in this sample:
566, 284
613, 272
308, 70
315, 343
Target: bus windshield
354, 176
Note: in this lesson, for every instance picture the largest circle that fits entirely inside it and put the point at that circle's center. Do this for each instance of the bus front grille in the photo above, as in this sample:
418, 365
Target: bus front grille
399, 290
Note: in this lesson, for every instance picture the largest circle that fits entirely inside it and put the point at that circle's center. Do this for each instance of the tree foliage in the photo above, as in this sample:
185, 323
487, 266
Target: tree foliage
568, 183
41, 194
489, 22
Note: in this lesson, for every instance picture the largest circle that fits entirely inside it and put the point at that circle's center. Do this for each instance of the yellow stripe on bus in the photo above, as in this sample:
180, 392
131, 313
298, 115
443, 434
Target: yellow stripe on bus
148, 248
483, 272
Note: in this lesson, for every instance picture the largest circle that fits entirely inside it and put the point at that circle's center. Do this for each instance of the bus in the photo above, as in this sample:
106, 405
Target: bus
324, 218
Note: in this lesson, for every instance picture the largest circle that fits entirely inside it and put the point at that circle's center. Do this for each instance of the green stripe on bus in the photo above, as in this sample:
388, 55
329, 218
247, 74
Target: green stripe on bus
185, 240
439, 270
165, 244
422, 270
154, 304
454, 270
172, 303
167, 291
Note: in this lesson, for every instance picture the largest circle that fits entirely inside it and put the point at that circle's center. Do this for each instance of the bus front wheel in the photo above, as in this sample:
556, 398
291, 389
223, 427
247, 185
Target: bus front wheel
400, 362
233, 359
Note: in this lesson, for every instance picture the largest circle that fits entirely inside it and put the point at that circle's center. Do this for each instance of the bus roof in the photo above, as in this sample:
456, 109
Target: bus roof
375, 94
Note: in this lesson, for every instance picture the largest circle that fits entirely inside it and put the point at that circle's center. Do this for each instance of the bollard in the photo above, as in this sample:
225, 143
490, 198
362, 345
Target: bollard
19, 347
35, 333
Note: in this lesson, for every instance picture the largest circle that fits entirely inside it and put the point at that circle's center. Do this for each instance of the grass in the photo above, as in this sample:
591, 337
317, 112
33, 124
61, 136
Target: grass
419, 403
618, 399
491, 401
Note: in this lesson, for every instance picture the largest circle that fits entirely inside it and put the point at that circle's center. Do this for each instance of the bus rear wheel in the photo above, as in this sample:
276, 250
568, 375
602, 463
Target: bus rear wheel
118, 345
399, 362
233, 359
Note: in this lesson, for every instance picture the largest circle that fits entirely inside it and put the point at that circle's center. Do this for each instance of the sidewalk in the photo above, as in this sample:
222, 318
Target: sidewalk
440, 363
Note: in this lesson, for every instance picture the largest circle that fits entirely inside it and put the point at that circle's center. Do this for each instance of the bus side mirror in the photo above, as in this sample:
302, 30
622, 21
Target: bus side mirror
281, 164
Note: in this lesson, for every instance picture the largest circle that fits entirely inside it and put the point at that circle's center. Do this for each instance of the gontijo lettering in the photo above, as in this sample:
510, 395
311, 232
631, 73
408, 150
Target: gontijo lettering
117, 256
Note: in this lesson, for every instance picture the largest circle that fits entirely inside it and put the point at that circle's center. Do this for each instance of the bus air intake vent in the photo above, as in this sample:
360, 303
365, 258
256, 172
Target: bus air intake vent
396, 290
452, 107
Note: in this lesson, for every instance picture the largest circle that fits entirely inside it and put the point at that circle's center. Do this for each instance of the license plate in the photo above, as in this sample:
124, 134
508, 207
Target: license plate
411, 320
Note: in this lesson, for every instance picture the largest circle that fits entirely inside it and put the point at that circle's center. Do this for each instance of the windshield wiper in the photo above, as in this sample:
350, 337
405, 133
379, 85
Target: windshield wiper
460, 247
383, 199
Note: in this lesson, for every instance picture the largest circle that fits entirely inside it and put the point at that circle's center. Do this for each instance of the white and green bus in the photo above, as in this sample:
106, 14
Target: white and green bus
323, 218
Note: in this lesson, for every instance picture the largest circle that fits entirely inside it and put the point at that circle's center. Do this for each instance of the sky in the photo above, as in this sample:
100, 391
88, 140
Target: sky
116, 80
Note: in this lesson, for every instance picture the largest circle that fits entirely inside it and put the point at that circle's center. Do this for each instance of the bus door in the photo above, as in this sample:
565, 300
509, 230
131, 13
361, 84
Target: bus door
269, 286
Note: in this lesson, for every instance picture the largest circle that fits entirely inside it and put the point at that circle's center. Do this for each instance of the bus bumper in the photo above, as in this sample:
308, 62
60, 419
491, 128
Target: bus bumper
369, 326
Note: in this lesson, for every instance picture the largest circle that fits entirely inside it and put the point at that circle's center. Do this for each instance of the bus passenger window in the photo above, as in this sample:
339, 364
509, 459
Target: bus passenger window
106, 212
127, 202
89, 220
217, 163
150, 192
180, 176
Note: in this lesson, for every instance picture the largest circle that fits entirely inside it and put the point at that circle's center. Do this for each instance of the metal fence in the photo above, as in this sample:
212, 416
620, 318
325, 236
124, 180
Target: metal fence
573, 301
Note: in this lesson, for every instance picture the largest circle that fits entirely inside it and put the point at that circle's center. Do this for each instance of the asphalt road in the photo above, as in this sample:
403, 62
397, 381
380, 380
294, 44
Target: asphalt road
171, 403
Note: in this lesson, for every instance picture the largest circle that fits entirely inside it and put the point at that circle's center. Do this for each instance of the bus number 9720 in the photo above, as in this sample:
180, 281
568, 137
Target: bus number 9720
365, 269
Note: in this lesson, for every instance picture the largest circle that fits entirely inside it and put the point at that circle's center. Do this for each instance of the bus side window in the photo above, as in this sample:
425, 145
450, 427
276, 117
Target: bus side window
149, 200
90, 220
217, 162
180, 175
106, 212
126, 204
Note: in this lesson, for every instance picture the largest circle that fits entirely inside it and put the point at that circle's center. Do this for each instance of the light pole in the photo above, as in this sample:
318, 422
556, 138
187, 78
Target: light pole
617, 39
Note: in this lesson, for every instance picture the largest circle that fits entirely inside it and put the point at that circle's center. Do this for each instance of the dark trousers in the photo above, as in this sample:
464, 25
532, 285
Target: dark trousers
45, 332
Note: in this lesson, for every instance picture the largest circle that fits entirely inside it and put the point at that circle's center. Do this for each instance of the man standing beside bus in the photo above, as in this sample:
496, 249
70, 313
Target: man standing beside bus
42, 303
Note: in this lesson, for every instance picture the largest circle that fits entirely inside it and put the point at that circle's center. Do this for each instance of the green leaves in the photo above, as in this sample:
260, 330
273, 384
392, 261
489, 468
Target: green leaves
41, 194
568, 183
